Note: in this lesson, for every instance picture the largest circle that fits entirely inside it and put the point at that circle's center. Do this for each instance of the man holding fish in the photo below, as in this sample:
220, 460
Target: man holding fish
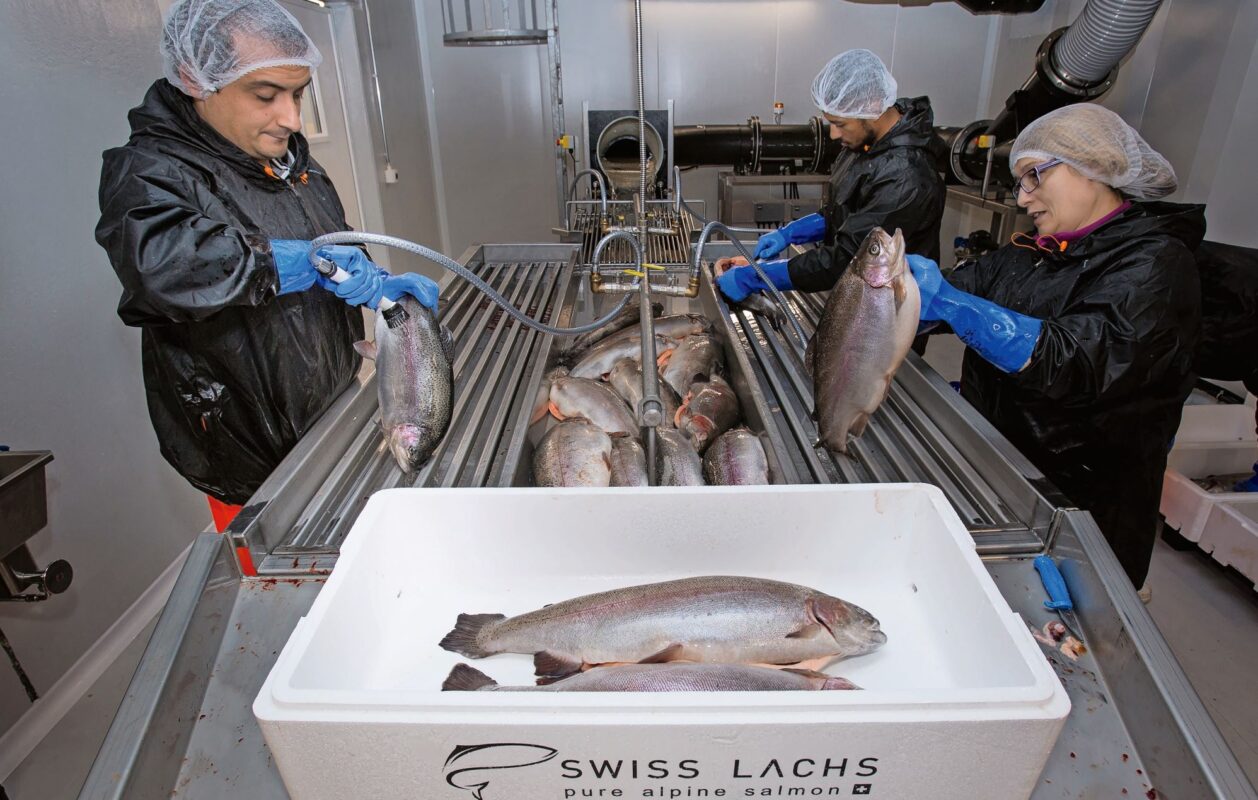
886, 177
207, 215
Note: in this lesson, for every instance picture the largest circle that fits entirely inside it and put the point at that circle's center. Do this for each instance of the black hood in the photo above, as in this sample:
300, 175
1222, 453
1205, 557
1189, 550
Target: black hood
916, 127
168, 114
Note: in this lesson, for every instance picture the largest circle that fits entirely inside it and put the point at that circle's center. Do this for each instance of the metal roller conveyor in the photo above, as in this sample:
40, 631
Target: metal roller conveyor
222, 629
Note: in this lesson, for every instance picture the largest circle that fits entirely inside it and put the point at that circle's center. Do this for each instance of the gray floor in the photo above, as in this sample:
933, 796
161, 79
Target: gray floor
1209, 615
59, 765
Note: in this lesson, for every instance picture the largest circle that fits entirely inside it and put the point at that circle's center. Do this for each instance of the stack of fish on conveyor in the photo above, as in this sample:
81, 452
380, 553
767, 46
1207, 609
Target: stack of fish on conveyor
595, 394
715, 633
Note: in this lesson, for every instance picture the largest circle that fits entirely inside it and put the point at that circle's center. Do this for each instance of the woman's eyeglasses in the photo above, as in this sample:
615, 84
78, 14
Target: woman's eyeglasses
1029, 181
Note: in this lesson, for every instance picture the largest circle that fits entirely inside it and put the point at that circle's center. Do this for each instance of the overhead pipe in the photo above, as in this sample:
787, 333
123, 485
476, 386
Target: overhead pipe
755, 147
1072, 65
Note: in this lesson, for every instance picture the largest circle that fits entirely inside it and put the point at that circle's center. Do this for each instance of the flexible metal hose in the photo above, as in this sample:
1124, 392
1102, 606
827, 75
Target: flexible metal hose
358, 237
1104, 33
778, 297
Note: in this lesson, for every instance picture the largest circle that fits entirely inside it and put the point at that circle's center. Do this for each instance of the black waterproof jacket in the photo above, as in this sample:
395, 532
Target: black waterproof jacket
1099, 403
895, 184
234, 374
1229, 313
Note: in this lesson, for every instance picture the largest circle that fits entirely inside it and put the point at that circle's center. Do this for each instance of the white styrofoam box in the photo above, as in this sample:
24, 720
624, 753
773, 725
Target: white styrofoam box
1231, 535
1203, 459
960, 701
1188, 508
1217, 423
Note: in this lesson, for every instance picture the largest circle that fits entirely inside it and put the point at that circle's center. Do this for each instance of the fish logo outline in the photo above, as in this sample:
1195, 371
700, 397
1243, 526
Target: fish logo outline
539, 754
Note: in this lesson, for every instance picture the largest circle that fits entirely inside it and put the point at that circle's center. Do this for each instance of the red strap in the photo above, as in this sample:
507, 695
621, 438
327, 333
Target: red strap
223, 513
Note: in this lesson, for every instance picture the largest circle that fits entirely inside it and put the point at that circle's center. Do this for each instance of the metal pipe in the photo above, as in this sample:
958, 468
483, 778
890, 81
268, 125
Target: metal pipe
553, 57
637, 13
602, 194
650, 408
756, 148
375, 80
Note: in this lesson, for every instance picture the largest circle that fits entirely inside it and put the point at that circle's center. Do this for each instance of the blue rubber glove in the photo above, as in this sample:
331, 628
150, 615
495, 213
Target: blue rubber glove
1004, 338
365, 284
1250, 484
296, 273
738, 282
422, 289
811, 228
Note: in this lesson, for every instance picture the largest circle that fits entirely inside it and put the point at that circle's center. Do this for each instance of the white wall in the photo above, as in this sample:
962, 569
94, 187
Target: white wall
719, 61
69, 370
1189, 86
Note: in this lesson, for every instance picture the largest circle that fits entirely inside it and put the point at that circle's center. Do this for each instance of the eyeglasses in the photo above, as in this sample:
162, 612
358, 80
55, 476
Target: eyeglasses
1029, 181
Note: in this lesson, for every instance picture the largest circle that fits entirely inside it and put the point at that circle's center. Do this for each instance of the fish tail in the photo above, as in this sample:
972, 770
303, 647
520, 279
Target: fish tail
466, 678
465, 638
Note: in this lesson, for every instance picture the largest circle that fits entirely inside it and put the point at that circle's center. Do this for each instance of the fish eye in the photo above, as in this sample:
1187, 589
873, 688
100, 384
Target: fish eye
874, 249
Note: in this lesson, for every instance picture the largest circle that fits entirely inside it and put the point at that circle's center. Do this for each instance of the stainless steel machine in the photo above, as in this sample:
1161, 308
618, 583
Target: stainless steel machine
186, 722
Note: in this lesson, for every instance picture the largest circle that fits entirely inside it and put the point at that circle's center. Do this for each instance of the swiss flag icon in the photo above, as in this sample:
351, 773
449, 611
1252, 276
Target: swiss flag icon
862, 788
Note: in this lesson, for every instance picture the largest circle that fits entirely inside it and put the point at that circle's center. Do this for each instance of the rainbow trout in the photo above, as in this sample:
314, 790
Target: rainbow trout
661, 678
718, 619
865, 331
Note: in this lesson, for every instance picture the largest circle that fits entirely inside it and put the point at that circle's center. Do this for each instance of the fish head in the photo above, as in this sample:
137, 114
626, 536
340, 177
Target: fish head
854, 629
880, 259
409, 445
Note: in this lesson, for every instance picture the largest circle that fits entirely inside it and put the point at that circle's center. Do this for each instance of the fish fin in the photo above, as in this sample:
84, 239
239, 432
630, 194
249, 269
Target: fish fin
366, 349
555, 412
540, 413
670, 653
554, 666
466, 678
544, 681
835, 683
858, 426
806, 632
811, 665
663, 358
807, 673
463, 639
447, 343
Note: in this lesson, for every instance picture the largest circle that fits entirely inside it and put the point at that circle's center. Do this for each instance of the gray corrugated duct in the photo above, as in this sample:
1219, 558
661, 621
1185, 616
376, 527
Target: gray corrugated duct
1102, 36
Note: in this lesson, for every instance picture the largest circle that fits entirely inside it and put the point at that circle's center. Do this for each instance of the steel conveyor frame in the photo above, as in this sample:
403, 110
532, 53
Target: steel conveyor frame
186, 725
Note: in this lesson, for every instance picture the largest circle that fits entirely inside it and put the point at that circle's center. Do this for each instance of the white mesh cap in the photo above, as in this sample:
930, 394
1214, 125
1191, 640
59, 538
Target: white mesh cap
207, 44
1101, 146
855, 85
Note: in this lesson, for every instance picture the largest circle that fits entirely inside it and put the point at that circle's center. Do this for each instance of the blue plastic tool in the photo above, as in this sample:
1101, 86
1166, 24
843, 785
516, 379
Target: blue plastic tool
1058, 595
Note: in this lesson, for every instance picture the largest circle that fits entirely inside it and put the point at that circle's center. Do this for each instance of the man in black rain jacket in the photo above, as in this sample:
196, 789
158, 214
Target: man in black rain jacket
885, 177
206, 214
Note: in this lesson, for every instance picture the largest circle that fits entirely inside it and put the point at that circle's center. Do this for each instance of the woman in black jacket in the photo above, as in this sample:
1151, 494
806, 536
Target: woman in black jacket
1080, 340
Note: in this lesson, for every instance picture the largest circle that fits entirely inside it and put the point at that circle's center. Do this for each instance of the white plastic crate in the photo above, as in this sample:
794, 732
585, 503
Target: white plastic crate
1231, 535
959, 703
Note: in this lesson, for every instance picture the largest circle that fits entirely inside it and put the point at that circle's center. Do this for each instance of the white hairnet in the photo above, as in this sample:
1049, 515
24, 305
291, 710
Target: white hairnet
1101, 146
856, 85
207, 44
